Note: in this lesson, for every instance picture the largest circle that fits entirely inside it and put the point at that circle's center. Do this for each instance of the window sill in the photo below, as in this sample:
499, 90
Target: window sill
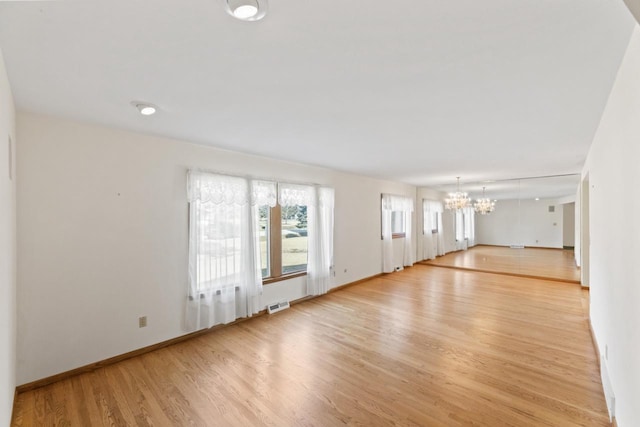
398, 235
270, 280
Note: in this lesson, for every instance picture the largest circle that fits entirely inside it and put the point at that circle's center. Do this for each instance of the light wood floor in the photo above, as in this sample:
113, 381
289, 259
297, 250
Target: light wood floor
554, 264
426, 346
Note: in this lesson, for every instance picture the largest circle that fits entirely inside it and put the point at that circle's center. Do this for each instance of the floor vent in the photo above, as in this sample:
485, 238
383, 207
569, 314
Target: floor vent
517, 246
279, 306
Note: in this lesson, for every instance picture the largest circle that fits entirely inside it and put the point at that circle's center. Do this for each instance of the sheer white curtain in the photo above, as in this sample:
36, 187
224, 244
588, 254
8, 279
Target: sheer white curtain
409, 255
461, 243
320, 243
225, 280
387, 235
439, 208
430, 223
320, 207
470, 226
295, 195
390, 204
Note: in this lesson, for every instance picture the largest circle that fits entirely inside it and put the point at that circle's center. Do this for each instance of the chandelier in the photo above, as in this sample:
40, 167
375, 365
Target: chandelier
457, 200
484, 206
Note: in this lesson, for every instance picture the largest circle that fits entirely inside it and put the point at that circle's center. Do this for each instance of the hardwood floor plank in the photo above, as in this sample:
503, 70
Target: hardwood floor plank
554, 264
423, 347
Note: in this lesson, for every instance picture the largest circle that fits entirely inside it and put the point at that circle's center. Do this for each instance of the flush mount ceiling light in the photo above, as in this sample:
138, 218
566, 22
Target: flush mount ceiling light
144, 108
246, 10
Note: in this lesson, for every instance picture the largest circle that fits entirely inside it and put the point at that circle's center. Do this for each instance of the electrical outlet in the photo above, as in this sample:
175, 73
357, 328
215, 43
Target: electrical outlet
142, 322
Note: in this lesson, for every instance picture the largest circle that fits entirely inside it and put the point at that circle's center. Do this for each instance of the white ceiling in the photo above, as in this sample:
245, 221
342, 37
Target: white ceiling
419, 91
562, 187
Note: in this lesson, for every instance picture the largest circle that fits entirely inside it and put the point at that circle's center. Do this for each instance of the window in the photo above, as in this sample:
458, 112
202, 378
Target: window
224, 269
220, 250
430, 225
395, 222
432, 238
465, 224
283, 240
284, 247
397, 207
294, 238
398, 229
431, 219
279, 214
243, 232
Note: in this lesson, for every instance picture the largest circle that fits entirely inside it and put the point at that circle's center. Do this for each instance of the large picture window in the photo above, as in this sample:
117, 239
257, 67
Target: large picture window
244, 232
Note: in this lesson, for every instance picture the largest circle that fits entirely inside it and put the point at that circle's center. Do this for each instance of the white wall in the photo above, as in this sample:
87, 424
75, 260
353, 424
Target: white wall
102, 237
614, 175
577, 248
524, 222
7, 250
568, 224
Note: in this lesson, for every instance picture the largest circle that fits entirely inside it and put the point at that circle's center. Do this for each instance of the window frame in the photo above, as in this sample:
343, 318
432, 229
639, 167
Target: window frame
274, 249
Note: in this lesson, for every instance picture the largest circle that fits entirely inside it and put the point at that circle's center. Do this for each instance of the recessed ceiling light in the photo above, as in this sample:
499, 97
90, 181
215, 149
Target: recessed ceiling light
537, 198
145, 109
246, 10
